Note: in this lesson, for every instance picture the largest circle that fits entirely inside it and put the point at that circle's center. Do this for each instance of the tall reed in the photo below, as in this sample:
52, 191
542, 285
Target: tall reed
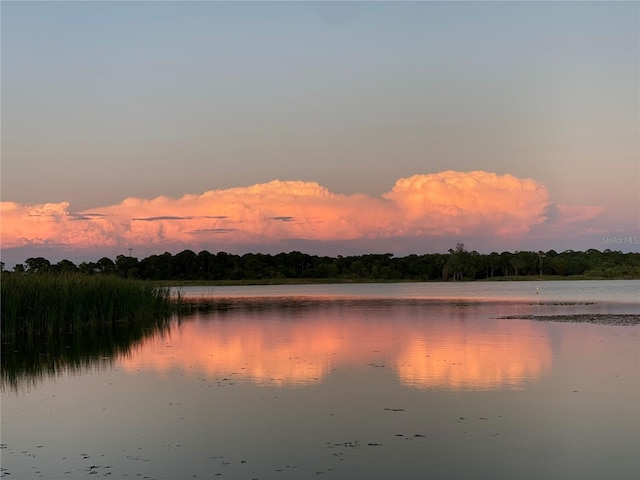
48, 303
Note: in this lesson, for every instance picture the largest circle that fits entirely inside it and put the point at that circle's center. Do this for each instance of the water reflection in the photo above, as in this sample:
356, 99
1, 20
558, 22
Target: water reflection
298, 342
445, 346
298, 388
27, 360
501, 355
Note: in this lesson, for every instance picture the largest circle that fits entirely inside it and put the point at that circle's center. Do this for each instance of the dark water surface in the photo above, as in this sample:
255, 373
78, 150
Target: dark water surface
343, 381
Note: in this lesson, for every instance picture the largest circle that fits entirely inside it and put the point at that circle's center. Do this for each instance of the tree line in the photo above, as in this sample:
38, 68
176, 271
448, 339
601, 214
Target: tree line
457, 264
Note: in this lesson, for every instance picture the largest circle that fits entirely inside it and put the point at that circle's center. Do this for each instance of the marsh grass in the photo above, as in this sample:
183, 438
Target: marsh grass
46, 304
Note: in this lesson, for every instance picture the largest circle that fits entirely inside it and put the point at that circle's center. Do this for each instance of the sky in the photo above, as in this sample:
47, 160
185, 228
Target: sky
332, 128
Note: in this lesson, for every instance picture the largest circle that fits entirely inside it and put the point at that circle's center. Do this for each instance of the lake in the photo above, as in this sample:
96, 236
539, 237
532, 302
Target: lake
344, 381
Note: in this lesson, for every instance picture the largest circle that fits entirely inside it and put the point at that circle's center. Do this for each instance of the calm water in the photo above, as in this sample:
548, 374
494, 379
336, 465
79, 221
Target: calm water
344, 381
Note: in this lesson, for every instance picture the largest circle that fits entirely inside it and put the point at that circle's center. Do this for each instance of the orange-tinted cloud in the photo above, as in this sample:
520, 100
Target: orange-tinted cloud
444, 203
455, 202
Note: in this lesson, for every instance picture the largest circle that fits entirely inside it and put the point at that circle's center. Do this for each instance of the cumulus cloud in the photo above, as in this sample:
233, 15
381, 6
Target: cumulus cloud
458, 202
433, 205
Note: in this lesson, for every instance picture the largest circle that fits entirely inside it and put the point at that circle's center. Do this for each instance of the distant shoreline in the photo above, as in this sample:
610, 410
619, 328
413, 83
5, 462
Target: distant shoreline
614, 319
296, 267
322, 281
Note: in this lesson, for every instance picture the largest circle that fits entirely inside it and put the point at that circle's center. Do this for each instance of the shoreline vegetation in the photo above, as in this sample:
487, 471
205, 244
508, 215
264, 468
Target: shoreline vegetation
48, 305
205, 268
321, 281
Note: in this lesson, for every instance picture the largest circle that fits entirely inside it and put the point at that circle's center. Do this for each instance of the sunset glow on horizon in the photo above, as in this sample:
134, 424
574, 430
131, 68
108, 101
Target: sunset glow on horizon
333, 128
447, 203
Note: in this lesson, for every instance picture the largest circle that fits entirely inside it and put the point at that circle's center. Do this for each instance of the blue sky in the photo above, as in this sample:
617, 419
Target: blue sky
107, 100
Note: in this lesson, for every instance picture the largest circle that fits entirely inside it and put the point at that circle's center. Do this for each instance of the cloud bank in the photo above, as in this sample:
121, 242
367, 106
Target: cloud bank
422, 206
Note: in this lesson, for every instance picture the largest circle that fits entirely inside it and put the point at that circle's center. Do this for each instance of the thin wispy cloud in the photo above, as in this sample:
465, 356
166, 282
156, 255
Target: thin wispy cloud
156, 219
204, 231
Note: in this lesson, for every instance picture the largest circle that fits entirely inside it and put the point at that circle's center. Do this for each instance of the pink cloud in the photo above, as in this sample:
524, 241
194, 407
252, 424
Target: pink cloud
422, 206
572, 214
457, 202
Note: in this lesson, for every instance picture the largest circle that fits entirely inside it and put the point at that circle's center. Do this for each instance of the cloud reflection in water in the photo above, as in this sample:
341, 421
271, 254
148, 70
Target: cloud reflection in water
299, 342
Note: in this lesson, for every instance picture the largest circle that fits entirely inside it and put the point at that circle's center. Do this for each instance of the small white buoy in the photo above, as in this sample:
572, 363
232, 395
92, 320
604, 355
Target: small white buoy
537, 290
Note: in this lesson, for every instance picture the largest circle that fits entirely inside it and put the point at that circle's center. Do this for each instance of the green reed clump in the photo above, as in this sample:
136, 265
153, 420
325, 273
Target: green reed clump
46, 303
